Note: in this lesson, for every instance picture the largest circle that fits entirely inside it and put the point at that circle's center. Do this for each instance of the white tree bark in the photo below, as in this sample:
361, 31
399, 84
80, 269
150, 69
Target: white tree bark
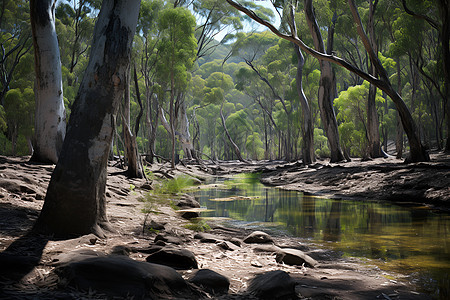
50, 118
75, 203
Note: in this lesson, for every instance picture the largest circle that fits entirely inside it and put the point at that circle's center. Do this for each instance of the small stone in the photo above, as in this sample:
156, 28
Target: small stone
256, 263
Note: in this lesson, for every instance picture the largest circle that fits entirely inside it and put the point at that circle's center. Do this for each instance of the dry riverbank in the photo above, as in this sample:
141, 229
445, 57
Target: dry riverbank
30, 271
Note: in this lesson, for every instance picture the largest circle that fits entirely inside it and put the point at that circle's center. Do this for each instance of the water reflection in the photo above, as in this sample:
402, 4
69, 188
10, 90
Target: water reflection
410, 240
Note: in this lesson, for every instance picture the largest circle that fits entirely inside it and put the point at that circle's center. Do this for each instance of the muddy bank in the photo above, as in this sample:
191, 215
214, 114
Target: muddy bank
33, 261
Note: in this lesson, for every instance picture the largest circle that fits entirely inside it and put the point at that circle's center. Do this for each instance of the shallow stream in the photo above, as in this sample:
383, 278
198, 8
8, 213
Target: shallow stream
413, 240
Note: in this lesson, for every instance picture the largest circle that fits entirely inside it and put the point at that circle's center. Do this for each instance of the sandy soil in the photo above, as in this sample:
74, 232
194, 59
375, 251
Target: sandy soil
22, 192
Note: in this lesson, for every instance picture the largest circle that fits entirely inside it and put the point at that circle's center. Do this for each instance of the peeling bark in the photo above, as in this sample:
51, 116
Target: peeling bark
50, 115
75, 203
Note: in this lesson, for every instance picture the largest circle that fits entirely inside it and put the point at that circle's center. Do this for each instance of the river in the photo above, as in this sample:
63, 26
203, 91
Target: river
410, 240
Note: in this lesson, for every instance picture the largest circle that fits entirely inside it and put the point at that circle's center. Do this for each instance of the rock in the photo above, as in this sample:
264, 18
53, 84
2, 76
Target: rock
76, 255
236, 241
147, 186
168, 239
273, 285
119, 276
210, 281
121, 250
151, 249
295, 257
227, 245
190, 215
256, 263
177, 258
207, 237
258, 237
187, 201
155, 225
267, 248
39, 197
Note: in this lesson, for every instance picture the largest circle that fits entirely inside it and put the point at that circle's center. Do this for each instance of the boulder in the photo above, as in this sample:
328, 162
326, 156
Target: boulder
295, 257
120, 276
177, 258
210, 281
258, 237
272, 285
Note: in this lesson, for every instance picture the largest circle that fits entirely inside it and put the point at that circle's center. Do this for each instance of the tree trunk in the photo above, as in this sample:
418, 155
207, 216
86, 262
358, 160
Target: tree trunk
327, 87
233, 144
307, 128
75, 203
373, 124
184, 135
444, 9
134, 167
418, 152
50, 117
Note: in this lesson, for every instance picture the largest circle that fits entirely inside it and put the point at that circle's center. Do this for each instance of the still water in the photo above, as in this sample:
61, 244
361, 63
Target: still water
413, 241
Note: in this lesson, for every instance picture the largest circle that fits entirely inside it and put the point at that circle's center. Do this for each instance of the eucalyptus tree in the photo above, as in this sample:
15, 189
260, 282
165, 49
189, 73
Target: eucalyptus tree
354, 119
437, 15
418, 152
216, 86
327, 85
249, 83
78, 16
15, 41
50, 117
177, 49
75, 203
147, 55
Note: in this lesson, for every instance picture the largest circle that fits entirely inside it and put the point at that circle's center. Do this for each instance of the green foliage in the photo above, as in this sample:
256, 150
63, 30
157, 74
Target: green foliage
254, 146
198, 225
173, 186
321, 144
177, 46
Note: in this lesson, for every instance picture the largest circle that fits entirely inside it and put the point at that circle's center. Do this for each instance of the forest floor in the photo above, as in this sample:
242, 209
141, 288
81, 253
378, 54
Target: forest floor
28, 272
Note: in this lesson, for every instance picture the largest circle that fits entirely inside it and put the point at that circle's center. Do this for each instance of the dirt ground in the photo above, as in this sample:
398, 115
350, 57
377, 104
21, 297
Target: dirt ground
22, 192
